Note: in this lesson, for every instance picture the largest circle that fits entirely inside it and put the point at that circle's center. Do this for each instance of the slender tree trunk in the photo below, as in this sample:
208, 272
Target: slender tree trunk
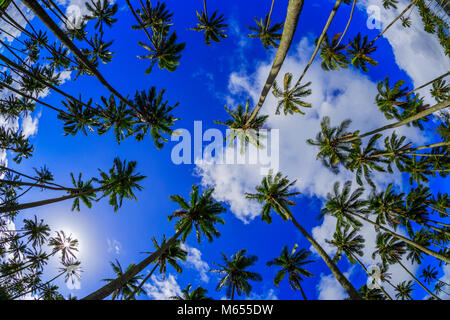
348, 24
408, 241
424, 113
29, 291
142, 282
204, 7
409, 150
301, 290
417, 280
232, 292
428, 83
290, 25
352, 292
319, 42
364, 267
270, 15
38, 185
106, 290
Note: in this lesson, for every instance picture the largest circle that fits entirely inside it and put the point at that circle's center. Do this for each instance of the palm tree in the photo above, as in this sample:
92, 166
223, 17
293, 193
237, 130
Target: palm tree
390, 4
214, 26
290, 99
331, 54
103, 12
274, 193
290, 25
198, 293
371, 294
170, 256
236, 277
348, 209
292, 264
155, 17
387, 97
391, 250
201, 212
404, 290
360, 51
130, 287
352, 244
440, 91
268, 35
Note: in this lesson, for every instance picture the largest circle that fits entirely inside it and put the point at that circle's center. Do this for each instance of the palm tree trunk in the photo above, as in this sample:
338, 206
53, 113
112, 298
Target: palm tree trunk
142, 282
424, 113
393, 21
417, 280
319, 42
290, 25
364, 267
301, 290
47, 201
232, 292
408, 241
270, 14
426, 84
354, 295
34, 6
31, 290
21, 183
348, 24
109, 288
409, 150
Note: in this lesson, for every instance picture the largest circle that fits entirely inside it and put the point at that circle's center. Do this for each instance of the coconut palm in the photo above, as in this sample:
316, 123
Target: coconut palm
198, 293
292, 263
387, 4
388, 98
290, 99
391, 251
213, 26
386, 205
235, 276
103, 12
125, 291
331, 53
440, 90
269, 35
170, 256
274, 193
359, 52
200, 213
404, 290
371, 294
157, 17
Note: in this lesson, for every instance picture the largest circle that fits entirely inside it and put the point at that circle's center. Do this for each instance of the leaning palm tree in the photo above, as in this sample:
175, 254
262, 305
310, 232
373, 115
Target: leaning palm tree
200, 213
213, 26
331, 53
198, 293
292, 264
290, 99
169, 256
102, 11
131, 285
404, 290
360, 51
236, 277
274, 192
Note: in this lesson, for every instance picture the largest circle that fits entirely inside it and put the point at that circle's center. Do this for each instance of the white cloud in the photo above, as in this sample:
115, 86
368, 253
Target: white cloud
12, 32
30, 125
194, 260
114, 246
160, 289
268, 295
330, 289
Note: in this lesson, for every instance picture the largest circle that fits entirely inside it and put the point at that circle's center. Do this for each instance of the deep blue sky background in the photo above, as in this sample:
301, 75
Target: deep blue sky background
201, 98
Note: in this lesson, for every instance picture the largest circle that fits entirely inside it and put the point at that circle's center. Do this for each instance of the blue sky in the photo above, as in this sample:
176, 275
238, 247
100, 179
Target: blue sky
202, 85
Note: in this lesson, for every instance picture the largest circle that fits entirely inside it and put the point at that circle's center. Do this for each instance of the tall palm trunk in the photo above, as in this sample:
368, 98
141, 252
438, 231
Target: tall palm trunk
232, 292
301, 290
417, 280
348, 287
319, 42
409, 151
364, 267
426, 84
34, 6
270, 15
290, 25
408, 241
142, 282
109, 288
348, 24
424, 113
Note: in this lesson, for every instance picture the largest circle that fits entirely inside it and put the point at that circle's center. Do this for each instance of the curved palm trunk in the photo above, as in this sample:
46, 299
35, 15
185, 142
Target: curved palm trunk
364, 267
301, 290
426, 84
106, 290
408, 241
417, 280
348, 24
290, 24
322, 36
34, 6
424, 113
352, 292
142, 282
